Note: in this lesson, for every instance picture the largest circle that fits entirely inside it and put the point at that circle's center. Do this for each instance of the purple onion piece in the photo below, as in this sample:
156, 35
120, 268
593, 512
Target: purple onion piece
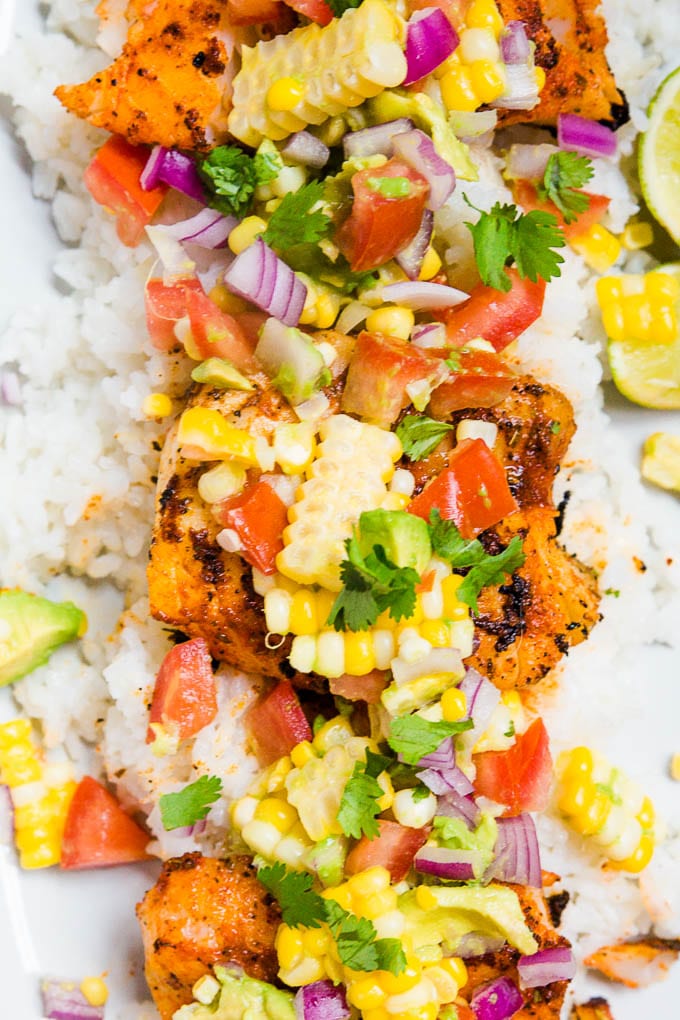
516, 853
208, 229
546, 966
322, 1000
376, 140
259, 275
429, 334
63, 1000
515, 47
482, 697
306, 149
443, 758
496, 1000
578, 134
417, 149
10, 388
430, 39
419, 294
442, 862
173, 168
443, 781
521, 92
412, 256
455, 805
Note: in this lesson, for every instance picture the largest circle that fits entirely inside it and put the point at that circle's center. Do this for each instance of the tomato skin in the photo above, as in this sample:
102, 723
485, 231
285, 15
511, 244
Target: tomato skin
277, 723
472, 491
366, 688
184, 696
258, 515
98, 833
216, 334
378, 227
112, 178
315, 10
164, 305
498, 317
394, 849
519, 777
482, 379
380, 370
525, 194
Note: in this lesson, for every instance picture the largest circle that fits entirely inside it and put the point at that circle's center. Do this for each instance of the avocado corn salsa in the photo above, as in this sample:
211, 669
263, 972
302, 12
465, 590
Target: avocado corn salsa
337, 741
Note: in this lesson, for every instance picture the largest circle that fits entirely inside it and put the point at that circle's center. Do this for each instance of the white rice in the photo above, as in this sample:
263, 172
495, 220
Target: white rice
82, 441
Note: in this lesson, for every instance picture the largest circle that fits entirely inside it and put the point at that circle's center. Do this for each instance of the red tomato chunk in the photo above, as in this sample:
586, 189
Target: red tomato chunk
258, 516
277, 723
482, 379
184, 697
519, 777
112, 178
98, 833
525, 195
216, 334
494, 315
394, 849
315, 10
164, 305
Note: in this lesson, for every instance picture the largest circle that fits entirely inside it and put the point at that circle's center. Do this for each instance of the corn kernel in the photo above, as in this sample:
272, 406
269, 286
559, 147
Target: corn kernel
383, 647
342, 894
377, 1013
359, 654
277, 610
640, 857
226, 301
243, 811
422, 997
457, 91
488, 80
391, 320
453, 607
454, 704
484, 14
94, 990
294, 446
302, 753
411, 975
425, 898
431, 265
223, 480
285, 94
330, 654
436, 632
157, 405
411, 812
303, 619
390, 925
335, 732
539, 78
245, 232
454, 966
277, 812
598, 247
205, 434
262, 837
303, 653
366, 993
372, 880
645, 815
578, 763
478, 44
288, 946
636, 236
315, 941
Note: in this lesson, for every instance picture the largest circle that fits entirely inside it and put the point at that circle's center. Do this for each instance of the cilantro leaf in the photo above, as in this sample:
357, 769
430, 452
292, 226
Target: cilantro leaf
231, 176
295, 221
449, 544
372, 584
565, 172
419, 434
359, 802
300, 904
505, 235
191, 804
391, 955
413, 737
340, 6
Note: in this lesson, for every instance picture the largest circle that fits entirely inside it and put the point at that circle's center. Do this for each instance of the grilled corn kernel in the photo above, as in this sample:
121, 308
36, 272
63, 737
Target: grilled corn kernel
539, 78
454, 966
359, 654
454, 704
157, 405
225, 479
636, 236
94, 990
333, 733
370, 881
277, 812
454, 609
285, 94
598, 247
639, 307
262, 837
411, 812
425, 898
484, 14
303, 654
205, 434
277, 610
302, 753
457, 91
383, 647
367, 993
330, 654
303, 617
288, 944
435, 632
431, 265
385, 783
392, 320
243, 811
245, 232
488, 80
478, 44
411, 975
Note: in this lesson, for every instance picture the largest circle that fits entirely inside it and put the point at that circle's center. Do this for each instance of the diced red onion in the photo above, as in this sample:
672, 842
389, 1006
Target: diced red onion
322, 1000
376, 140
259, 275
412, 256
209, 265
173, 168
306, 149
496, 1000
351, 315
422, 294
521, 91
443, 781
63, 1000
443, 862
453, 805
482, 698
10, 388
429, 334
546, 966
528, 162
516, 853
208, 229
578, 134
514, 43
443, 758
430, 39
197, 829
417, 149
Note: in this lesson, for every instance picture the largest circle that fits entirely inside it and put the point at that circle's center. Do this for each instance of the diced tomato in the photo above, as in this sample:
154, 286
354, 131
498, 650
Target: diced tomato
258, 516
184, 697
379, 226
216, 334
519, 777
472, 491
524, 193
98, 833
454, 10
277, 723
498, 317
366, 688
482, 379
394, 849
315, 10
165, 304
112, 178
379, 372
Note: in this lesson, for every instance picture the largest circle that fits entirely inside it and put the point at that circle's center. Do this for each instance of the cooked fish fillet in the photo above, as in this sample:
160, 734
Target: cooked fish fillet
594, 1009
200, 912
570, 38
636, 964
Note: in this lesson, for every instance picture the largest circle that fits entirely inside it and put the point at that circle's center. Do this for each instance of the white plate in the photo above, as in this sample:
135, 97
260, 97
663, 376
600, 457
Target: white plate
74, 924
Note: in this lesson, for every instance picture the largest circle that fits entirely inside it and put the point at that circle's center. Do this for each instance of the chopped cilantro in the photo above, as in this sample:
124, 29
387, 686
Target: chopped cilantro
506, 235
372, 584
295, 221
510, 732
190, 805
413, 737
555, 427
453, 361
565, 172
359, 803
231, 176
485, 568
420, 435
299, 903
340, 6
614, 592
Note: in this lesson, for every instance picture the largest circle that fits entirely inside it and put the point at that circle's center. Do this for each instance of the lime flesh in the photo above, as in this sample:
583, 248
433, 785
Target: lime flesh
659, 156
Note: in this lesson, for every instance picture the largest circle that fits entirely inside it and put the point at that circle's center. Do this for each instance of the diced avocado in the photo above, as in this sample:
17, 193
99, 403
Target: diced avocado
222, 373
490, 912
428, 116
292, 361
327, 859
31, 628
399, 699
241, 998
661, 460
454, 833
404, 537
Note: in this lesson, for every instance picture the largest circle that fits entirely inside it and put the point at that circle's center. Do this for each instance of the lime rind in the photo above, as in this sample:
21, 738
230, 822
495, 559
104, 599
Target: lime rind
659, 155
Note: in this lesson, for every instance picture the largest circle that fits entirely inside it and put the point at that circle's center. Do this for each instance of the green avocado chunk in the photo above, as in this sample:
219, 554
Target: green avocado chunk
239, 998
31, 628
220, 372
404, 537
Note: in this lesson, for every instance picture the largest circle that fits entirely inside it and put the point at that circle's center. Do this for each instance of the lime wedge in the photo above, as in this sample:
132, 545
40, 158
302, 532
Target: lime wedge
648, 373
659, 156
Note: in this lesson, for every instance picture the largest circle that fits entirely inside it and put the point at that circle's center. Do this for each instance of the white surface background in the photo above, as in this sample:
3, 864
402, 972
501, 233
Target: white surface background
73, 924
